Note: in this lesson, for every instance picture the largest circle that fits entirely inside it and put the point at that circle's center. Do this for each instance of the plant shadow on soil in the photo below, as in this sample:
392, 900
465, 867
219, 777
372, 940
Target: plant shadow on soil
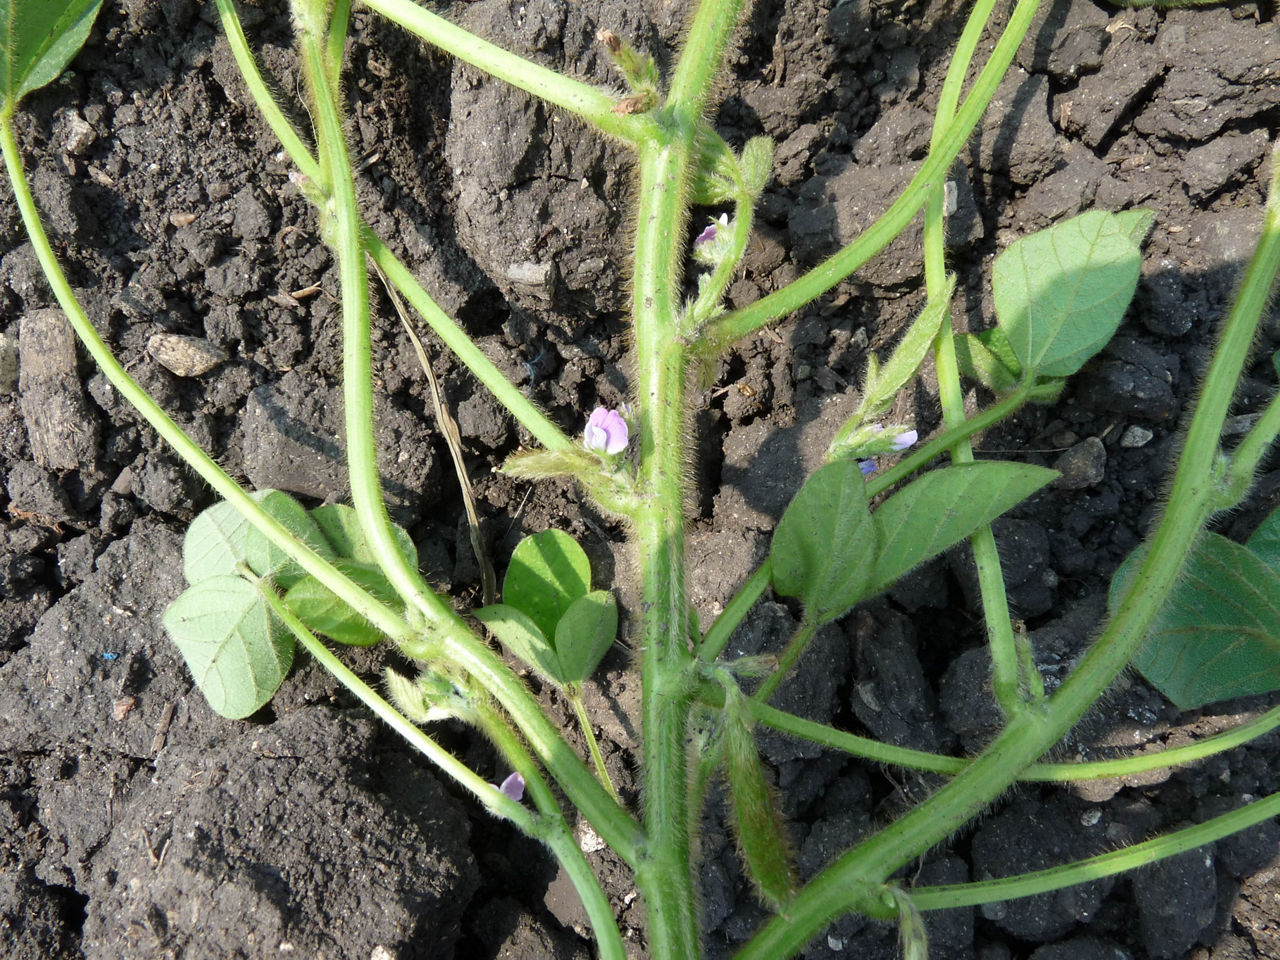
135, 823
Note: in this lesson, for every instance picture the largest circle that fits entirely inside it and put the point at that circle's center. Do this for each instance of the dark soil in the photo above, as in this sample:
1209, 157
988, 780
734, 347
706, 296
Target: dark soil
134, 823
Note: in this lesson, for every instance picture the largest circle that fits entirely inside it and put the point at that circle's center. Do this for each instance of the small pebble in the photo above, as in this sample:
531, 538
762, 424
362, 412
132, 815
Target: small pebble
185, 356
1082, 466
1135, 437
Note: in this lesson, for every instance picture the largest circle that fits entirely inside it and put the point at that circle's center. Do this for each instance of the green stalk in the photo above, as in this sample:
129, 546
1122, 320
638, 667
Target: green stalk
740, 323
717, 637
556, 833
548, 828
453, 336
461, 645
791, 655
1105, 865
665, 874
369, 608
593, 748
885, 753
707, 304
850, 882
464, 348
589, 103
742, 601
995, 602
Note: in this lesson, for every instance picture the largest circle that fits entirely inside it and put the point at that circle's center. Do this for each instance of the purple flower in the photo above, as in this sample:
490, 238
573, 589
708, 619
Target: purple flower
606, 432
904, 440
707, 235
867, 467
512, 787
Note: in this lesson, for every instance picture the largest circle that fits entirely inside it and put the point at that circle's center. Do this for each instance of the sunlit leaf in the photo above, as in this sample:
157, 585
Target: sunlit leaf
1061, 293
237, 650
38, 38
520, 635
940, 508
548, 571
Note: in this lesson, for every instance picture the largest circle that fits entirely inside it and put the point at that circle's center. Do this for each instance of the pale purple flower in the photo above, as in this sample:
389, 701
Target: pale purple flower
606, 432
867, 467
904, 440
512, 787
707, 235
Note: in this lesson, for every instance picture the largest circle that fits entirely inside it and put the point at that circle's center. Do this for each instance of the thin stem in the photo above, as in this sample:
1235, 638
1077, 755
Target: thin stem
453, 336
739, 606
995, 602
878, 752
589, 103
708, 302
464, 348
493, 800
791, 655
740, 323
1105, 865
593, 748
556, 833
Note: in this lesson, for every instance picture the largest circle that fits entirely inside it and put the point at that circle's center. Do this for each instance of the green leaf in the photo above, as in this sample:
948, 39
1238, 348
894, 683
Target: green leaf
541, 464
942, 507
1217, 637
882, 383
323, 612
824, 548
1265, 542
585, 633
237, 650
755, 812
406, 696
341, 528
265, 557
756, 164
38, 38
520, 635
220, 539
979, 364
1061, 293
548, 572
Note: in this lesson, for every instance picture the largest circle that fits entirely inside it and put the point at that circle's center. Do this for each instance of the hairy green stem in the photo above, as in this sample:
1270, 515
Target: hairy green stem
1105, 865
791, 655
1042, 772
589, 103
739, 323
665, 874
593, 748
717, 637
995, 603
453, 336
851, 882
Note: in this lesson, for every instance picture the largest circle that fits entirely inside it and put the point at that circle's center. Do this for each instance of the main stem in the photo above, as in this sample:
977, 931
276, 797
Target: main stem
664, 873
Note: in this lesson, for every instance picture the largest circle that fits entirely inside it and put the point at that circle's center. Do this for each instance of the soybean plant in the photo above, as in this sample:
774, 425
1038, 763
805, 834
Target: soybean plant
268, 574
